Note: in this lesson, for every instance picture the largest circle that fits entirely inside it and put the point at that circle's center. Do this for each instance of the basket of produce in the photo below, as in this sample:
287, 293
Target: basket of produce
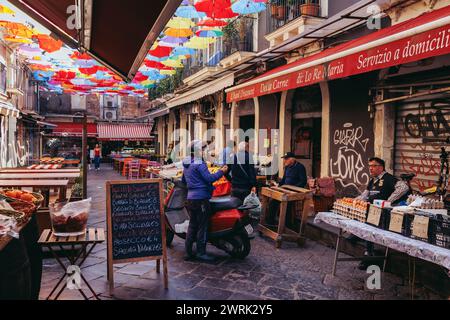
20, 217
33, 197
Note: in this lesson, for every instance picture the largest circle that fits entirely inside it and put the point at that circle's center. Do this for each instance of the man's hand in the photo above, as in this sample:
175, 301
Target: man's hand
225, 169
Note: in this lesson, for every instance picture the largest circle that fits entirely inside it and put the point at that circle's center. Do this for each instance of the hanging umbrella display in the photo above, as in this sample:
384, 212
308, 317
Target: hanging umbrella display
161, 51
17, 40
199, 43
172, 40
173, 63
62, 75
80, 56
140, 77
248, 7
216, 9
182, 51
29, 50
180, 23
179, 33
6, 10
212, 23
47, 43
90, 71
189, 12
168, 72
209, 33
17, 29
154, 64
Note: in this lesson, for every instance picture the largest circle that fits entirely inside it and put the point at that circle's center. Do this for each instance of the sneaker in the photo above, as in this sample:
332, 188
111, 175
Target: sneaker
206, 258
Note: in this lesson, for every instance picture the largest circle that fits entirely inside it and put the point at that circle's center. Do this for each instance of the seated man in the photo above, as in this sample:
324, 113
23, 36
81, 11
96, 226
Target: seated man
294, 175
382, 186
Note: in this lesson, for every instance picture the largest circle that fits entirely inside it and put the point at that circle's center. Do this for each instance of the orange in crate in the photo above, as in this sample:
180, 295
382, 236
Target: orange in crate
222, 187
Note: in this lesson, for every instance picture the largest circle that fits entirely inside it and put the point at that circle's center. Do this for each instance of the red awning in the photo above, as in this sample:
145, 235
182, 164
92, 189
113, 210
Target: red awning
69, 129
121, 132
118, 33
425, 36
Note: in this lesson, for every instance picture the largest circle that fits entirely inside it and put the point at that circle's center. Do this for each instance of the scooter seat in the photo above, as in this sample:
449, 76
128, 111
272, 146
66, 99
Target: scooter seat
222, 204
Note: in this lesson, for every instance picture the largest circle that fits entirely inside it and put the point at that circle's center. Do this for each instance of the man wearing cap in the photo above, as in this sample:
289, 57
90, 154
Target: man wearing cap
199, 183
294, 175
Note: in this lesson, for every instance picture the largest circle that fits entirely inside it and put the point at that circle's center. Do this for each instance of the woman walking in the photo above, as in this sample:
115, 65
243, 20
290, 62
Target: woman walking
97, 157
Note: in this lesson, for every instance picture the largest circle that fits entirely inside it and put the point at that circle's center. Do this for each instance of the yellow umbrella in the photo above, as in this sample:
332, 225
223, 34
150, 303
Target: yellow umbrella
172, 63
199, 43
168, 72
178, 33
148, 82
180, 23
17, 40
17, 29
6, 10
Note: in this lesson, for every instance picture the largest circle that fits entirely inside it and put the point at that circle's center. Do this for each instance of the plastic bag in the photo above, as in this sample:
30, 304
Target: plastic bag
253, 200
70, 219
182, 228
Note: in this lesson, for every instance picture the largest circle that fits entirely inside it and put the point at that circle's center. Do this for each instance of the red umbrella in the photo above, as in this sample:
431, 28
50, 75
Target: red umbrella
216, 9
212, 23
156, 65
90, 71
140, 77
47, 43
64, 75
161, 51
80, 56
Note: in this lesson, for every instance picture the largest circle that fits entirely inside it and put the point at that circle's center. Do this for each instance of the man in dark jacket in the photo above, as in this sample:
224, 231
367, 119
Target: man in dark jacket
294, 175
243, 173
199, 183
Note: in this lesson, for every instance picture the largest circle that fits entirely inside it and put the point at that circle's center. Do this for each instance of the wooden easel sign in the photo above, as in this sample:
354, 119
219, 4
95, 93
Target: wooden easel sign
136, 224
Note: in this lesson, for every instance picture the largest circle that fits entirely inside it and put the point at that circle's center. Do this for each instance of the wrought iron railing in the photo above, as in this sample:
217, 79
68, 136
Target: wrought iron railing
281, 12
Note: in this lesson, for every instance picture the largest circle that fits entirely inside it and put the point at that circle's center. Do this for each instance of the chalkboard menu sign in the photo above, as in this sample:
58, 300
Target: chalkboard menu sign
136, 228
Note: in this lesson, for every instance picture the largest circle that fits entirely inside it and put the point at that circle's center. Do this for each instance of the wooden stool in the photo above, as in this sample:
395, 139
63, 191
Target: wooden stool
92, 237
285, 195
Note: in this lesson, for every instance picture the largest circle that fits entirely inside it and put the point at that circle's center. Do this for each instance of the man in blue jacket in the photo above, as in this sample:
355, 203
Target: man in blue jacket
199, 183
294, 175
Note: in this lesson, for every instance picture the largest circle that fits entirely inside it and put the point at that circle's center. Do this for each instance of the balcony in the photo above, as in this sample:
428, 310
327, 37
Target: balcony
288, 18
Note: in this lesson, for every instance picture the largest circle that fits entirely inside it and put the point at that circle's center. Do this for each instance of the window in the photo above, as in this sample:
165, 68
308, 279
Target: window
3, 76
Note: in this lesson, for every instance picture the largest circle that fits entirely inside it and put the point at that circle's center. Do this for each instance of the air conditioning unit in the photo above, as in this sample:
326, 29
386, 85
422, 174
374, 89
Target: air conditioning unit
110, 114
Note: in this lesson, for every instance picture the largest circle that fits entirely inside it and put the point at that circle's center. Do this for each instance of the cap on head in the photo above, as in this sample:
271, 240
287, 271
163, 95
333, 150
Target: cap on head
288, 155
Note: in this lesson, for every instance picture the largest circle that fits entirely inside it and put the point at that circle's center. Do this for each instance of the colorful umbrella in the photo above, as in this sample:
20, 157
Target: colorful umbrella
17, 29
212, 23
80, 56
140, 77
161, 51
173, 63
182, 51
209, 33
6, 10
199, 43
168, 72
172, 40
47, 43
17, 40
179, 33
218, 9
247, 7
189, 12
29, 50
180, 23
154, 64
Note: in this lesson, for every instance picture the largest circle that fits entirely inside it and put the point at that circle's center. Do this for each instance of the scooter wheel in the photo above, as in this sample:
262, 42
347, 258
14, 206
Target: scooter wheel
241, 246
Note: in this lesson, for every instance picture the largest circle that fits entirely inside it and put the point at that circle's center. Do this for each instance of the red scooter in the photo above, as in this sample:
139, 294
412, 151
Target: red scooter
229, 227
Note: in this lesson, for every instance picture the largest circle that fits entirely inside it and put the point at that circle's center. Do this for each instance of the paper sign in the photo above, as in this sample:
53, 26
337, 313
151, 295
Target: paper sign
420, 227
374, 216
396, 222
266, 143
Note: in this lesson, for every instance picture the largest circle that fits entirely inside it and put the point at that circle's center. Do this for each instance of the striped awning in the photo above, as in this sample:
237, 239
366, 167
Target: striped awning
121, 132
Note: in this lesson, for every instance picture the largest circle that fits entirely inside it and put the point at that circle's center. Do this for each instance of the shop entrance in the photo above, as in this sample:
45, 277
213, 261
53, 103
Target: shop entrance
247, 122
306, 135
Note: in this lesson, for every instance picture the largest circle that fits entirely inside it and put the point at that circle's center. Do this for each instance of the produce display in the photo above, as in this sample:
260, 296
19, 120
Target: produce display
48, 160
351, 208
26, 196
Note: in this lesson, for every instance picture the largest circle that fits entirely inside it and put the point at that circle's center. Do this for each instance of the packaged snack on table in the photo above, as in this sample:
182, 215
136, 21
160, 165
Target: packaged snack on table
70, 219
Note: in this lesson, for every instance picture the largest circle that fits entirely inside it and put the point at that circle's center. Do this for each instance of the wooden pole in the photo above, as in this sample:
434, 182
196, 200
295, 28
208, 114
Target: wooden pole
84, 156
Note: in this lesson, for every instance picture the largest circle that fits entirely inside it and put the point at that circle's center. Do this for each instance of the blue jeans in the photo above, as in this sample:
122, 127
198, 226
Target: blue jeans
97, 162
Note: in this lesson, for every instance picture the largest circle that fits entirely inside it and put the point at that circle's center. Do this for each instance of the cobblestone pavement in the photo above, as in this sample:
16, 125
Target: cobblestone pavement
290, 273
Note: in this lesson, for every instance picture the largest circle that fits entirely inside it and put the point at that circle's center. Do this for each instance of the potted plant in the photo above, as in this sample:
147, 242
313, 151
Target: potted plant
278, 9
274, 8
310, 8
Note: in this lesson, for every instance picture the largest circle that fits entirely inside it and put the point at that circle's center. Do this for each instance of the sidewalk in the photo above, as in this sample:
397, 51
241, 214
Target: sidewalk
290, 273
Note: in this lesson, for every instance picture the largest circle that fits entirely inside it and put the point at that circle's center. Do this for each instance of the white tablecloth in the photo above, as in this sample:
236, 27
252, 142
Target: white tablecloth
413, 248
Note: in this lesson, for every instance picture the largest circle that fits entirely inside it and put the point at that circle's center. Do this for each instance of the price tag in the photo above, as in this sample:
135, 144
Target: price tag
266, 143
374, 216
396, 222
420, 228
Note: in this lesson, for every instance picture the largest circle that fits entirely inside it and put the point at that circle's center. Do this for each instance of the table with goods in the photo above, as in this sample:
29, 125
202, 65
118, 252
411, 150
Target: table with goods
420, 229
20, 254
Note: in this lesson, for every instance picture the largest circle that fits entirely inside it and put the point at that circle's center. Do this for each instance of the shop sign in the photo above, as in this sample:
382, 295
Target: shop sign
425, 45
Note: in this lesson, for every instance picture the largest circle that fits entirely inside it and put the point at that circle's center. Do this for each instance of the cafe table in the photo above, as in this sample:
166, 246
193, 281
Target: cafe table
41, 171
44, 185
42, 176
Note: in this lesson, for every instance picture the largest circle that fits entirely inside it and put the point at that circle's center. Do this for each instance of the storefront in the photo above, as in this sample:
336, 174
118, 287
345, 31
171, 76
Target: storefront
345, 74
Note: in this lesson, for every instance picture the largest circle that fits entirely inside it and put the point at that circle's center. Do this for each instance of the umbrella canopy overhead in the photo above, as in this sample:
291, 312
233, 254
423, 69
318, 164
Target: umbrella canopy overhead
248, 7
179, 33
209, 33
189, 12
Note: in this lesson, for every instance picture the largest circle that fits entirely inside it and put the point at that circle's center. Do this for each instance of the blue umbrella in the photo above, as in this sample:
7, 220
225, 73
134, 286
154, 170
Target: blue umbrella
248, 7
183, 51
189, 12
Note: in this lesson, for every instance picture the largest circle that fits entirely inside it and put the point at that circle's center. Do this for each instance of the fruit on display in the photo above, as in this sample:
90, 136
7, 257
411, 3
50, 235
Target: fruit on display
48, 160
20, 195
